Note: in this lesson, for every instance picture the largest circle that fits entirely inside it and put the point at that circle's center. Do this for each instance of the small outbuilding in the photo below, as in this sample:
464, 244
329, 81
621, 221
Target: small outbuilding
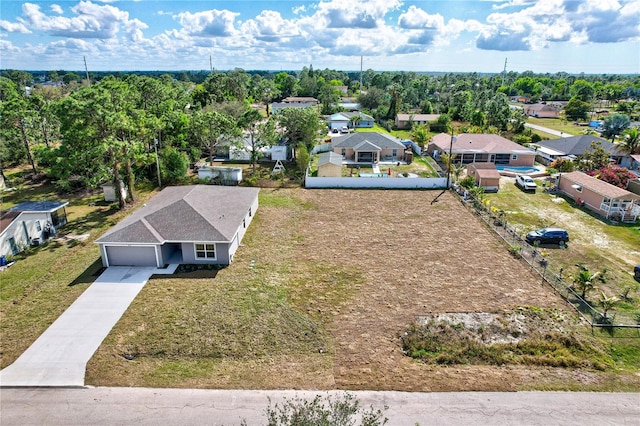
485, 175
330, 164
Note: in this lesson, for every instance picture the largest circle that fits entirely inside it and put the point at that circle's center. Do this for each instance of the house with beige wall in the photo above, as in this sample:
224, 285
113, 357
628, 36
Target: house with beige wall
368, 147
482, 148
601, 197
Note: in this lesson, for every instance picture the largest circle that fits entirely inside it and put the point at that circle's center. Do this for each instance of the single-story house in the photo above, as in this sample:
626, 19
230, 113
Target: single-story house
573, 146
330, 164
276, 107
368, 147
485, 175
300, 100
406, 121
182, 224
344, 119
482, 148
541, 111
599, 196
30, 223
350, 106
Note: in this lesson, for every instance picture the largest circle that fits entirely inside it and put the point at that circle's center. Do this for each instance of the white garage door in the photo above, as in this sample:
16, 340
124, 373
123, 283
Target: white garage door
131, 256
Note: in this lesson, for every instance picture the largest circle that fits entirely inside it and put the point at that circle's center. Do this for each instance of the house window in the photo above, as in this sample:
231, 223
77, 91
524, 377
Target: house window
249, 211
514, 157
344, 152
205, 251
394, 152
38, 227
244, 223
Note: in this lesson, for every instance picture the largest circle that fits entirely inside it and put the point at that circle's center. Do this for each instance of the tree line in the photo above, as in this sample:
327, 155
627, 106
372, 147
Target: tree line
81, 133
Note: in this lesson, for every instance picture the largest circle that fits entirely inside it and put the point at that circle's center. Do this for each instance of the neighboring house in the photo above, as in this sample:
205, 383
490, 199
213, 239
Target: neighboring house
482, 148
242, 151
276, 107
541, 111
343, 119
406, 121
30, 223
292, 100
368, 147
485, 175
182, 224
601, 197
573, 146
349, 106
330, 164
520, 99
342, 89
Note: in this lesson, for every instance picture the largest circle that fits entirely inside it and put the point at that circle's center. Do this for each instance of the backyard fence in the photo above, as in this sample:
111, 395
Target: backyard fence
616, 324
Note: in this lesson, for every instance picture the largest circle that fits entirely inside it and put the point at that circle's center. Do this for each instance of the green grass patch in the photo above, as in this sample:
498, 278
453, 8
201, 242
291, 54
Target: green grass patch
557, 124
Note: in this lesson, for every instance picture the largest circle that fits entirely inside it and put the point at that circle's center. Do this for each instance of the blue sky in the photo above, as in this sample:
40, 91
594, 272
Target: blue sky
590, 36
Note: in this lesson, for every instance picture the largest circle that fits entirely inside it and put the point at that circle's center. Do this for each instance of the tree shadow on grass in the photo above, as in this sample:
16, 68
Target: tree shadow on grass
90, 274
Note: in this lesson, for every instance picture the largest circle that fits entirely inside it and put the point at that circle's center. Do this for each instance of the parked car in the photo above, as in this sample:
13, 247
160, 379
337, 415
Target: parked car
344, 129
526, 183
548, 236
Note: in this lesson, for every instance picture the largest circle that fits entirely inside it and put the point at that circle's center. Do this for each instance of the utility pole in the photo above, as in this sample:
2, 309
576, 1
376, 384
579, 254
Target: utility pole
361, 74
504, 71
86, 70
155, 146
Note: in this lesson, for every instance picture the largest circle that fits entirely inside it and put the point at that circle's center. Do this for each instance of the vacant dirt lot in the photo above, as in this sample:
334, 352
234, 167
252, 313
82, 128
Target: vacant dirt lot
417, 258
340, 274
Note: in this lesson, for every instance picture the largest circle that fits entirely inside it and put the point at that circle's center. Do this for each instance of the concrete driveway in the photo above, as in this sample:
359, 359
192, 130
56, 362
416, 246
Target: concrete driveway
60, 355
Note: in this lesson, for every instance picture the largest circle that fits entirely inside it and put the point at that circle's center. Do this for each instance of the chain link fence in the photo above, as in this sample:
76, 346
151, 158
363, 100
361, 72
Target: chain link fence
616, 324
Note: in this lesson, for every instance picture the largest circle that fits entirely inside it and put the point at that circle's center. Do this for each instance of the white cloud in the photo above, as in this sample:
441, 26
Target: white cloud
7, 47
217, 23
56, 8
416, 18
91, 21
13, 27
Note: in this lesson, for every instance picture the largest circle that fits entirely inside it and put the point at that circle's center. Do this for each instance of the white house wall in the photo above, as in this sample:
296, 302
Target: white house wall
17, 228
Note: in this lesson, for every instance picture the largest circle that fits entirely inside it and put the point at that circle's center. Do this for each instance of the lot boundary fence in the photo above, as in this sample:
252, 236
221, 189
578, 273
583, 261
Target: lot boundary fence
615, 323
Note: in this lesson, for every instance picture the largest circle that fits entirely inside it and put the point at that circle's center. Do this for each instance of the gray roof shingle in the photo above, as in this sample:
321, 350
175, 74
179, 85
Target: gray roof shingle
204, 213
378, 139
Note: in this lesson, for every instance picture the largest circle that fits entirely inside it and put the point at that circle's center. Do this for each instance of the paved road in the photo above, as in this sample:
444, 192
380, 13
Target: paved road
548, 130
60, 355
108, 406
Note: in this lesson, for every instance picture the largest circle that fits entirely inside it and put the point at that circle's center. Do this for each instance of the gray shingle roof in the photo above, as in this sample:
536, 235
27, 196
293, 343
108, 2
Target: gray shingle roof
378, 139
576, 145
204, 213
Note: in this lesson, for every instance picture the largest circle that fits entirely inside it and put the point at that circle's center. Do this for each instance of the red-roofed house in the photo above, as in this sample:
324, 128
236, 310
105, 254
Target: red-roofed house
541, 111
601, 197
482, 148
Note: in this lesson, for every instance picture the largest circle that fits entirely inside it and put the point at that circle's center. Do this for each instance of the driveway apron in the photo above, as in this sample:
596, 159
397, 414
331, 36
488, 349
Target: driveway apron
60, 355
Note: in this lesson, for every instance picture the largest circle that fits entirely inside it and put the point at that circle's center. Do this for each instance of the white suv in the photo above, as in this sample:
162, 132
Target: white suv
526, 183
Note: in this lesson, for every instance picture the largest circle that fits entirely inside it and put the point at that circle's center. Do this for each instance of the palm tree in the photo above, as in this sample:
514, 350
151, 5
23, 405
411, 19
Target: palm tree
607, 303
584, 281
420, 135
631, 141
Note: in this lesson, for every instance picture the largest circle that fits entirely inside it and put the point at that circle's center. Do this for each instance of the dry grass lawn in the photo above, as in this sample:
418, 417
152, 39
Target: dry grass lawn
324, 284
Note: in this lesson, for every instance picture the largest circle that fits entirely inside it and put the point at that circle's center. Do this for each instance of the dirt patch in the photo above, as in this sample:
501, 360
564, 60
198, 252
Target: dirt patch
417, 258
